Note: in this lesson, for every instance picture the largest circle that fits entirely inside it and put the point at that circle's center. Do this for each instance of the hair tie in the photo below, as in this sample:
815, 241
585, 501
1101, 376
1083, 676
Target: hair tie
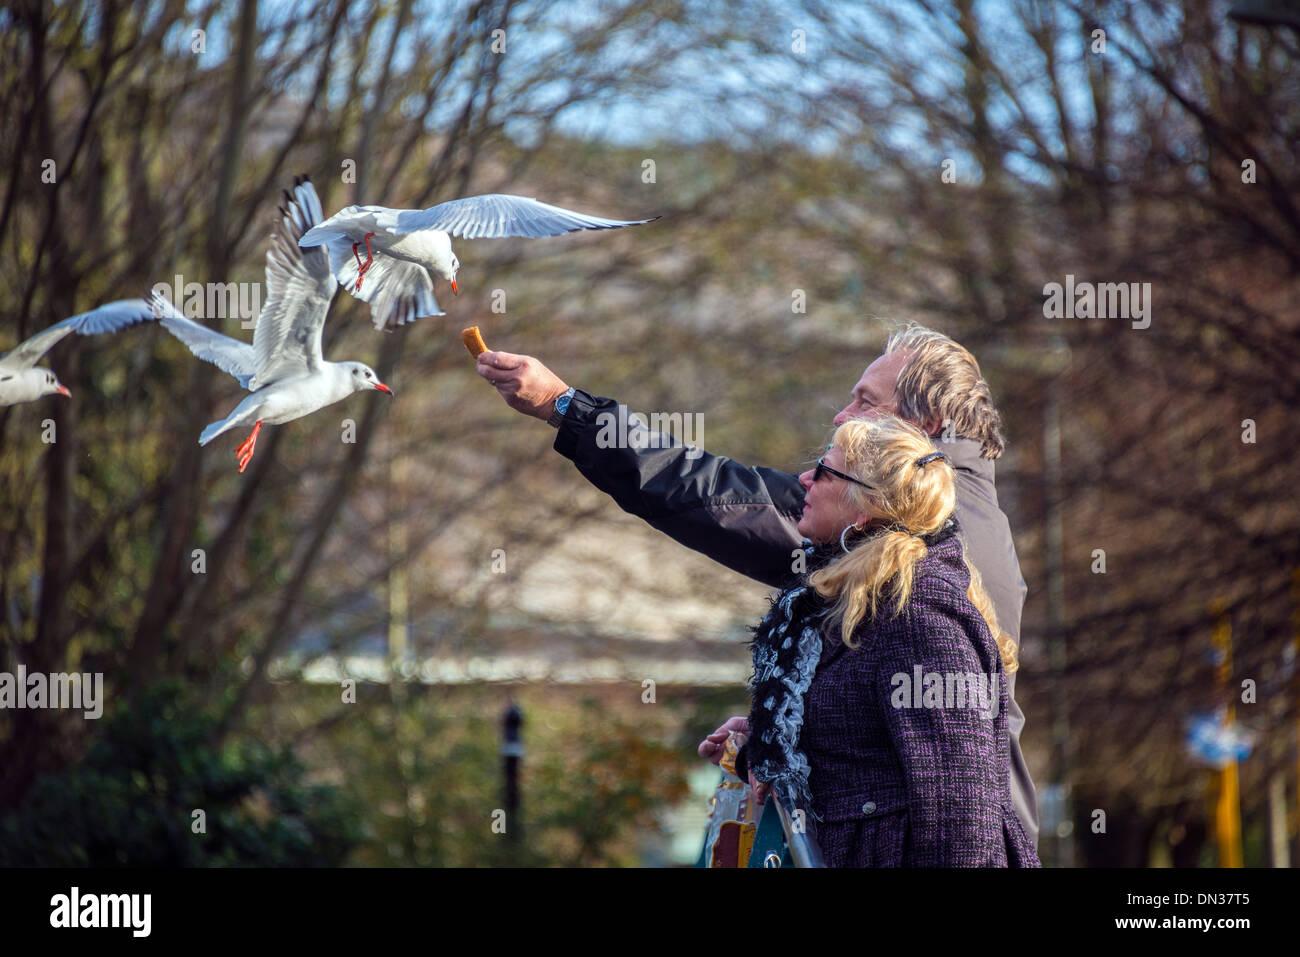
926, 459
949, 528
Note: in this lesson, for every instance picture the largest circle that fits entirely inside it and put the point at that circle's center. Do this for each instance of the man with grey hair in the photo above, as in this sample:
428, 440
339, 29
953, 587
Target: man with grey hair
746, 517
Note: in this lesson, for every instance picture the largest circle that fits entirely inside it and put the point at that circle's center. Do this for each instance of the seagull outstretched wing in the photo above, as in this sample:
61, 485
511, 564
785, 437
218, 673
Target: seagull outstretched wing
227, 354
496, 215
109, 317
299, 289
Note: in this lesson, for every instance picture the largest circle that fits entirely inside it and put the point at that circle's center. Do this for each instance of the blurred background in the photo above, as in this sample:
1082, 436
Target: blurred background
335, 655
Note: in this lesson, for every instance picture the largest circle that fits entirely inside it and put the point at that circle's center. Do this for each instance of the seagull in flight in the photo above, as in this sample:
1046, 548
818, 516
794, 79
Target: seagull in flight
402, 246
21, 380
283, 368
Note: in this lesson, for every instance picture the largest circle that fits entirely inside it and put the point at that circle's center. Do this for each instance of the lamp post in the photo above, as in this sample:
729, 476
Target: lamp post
512, 752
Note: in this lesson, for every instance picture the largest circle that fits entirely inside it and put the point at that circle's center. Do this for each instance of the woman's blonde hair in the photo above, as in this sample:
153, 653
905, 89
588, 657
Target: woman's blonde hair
915, 500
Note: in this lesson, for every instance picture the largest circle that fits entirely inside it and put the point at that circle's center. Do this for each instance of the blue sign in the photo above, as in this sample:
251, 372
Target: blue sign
1217, 744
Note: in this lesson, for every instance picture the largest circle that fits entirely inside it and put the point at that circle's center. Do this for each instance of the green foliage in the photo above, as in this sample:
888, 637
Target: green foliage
425, 774
130, 800
425, 766
611, 780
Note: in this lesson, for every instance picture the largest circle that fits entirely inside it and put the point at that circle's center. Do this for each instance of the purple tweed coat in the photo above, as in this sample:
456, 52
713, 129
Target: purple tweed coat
899, 778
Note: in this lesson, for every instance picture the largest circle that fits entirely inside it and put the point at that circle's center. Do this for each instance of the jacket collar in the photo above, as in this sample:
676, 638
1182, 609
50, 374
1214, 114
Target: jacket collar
965, 455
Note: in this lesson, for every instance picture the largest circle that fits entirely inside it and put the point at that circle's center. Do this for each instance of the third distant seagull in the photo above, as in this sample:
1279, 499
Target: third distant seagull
21, 380
402, 245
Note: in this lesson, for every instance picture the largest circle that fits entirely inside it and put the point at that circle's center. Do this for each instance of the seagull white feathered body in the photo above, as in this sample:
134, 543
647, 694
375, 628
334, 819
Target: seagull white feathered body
428, 247
384, 256
287, 399
21, 380
283, 367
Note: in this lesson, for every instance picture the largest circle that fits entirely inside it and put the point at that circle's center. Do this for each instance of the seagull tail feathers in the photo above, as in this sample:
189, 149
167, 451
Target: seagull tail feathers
215, 429
320, 236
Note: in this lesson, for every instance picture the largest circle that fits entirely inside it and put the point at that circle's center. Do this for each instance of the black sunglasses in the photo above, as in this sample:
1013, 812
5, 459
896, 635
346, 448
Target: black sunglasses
823, 467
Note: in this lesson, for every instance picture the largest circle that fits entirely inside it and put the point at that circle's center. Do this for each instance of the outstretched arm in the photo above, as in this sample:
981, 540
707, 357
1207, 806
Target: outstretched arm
740, 516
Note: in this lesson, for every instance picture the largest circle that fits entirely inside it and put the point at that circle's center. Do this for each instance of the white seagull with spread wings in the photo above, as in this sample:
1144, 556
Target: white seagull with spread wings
21, 380
283, 368
403, 245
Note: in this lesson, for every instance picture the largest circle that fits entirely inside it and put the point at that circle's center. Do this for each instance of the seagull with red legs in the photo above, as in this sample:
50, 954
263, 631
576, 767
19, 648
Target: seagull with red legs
283, 368
402, 246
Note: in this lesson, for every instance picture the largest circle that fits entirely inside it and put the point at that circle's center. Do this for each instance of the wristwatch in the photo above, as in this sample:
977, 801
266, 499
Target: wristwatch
561, 407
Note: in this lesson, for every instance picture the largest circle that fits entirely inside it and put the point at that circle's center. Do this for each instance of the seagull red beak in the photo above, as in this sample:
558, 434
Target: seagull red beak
383, 388
63, 390
455, 289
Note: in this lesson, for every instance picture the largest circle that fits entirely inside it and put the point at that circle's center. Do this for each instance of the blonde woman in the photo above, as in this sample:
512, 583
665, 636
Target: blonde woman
879, 688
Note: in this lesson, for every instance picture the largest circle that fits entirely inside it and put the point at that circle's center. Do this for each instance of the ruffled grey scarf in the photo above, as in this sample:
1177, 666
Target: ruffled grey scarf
786, 648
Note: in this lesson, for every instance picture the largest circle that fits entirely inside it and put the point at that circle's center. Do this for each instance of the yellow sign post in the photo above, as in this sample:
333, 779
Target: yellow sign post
1227, 798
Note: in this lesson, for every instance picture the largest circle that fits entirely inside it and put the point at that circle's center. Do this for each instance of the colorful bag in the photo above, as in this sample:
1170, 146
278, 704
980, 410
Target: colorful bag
735, 835
729, 836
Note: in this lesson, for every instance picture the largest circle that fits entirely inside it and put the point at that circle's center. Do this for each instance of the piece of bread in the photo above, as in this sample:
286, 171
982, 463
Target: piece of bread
473, 341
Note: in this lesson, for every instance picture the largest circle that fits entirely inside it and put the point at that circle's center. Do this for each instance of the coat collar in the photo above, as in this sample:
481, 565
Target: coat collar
965, 455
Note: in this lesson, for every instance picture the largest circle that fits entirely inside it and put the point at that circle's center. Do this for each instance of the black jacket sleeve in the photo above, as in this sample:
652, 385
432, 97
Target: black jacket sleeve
741, 516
